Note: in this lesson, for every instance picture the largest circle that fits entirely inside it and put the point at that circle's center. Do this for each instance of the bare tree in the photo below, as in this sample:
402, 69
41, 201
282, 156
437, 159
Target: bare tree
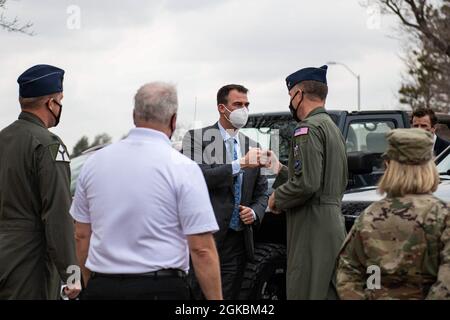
425, 30
427, 18
427, 82
13, 25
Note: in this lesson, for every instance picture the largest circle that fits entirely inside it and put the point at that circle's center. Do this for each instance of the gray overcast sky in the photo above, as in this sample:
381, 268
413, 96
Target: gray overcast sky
198, 45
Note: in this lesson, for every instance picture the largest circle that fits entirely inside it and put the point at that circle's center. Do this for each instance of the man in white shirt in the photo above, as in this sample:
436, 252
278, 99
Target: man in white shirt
141, 207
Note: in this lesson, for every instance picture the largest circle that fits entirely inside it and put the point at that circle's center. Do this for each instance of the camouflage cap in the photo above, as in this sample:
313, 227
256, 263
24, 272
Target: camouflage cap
409, 146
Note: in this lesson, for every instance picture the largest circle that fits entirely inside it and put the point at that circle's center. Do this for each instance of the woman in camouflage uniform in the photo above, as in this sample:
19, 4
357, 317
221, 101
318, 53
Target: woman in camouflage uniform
399, 248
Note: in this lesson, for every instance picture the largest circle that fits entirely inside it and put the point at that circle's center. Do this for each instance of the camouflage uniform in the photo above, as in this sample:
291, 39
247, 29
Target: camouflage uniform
408, 238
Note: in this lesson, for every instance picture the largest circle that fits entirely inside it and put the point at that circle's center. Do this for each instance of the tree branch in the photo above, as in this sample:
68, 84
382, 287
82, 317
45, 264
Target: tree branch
14, 25
420, 25
397, 11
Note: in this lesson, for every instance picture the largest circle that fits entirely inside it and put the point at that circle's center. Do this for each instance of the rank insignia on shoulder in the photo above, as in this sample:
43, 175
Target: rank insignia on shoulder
301, 131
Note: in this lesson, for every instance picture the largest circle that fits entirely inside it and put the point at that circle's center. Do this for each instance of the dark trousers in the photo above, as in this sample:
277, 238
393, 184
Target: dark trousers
136, 288
233, 258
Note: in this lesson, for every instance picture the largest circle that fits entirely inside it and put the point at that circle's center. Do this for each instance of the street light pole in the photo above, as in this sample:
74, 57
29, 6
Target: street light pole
359, 92
357, 76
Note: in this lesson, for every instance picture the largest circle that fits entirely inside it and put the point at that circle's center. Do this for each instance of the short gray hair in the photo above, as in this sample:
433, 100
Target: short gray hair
156, 101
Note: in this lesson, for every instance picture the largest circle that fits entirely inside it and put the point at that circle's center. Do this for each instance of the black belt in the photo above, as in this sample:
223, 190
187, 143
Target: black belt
164, 273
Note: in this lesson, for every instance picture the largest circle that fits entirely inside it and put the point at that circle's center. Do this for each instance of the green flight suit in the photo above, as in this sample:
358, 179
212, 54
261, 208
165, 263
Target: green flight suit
310, 191
36, 231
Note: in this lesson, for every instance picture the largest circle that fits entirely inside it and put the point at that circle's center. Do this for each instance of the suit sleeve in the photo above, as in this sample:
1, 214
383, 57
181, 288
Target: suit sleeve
216, 175
54, 189
350, 274
307, 177
282, 177
260, 197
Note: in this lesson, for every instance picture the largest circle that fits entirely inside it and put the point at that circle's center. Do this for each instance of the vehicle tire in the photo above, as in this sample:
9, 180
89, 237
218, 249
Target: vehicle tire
265, 277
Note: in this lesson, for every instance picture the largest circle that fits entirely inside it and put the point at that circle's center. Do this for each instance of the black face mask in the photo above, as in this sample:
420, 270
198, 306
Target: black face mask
58, 117
172, 127
293, 110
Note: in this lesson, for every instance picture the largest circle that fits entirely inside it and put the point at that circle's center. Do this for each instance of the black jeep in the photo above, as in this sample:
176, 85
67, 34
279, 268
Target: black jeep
364, 134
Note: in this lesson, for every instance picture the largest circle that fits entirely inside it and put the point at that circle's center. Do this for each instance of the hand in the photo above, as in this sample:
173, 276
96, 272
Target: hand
246, 215
274, 164
255, 158
272, 206
73, 290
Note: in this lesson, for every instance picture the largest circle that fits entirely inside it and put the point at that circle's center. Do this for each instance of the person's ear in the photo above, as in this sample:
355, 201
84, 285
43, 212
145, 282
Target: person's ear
221, 108
173, 122
49, 104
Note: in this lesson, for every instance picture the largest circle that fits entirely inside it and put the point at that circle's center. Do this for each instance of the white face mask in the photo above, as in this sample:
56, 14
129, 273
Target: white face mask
238, 117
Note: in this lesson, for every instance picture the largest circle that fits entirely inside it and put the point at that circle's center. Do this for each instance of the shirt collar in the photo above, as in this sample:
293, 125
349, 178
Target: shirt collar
146, 133
225, 134
27, 116
316, 111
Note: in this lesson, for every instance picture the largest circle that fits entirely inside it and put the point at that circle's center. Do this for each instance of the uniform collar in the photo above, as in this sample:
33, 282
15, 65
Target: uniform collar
27, 116
145, 133
316, 111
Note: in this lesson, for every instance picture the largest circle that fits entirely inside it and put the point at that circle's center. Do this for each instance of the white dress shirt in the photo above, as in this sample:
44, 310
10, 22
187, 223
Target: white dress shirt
142, 198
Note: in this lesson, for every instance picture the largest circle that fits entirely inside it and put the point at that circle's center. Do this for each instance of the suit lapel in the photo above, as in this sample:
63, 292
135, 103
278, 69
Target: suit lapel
220, 148
220, 154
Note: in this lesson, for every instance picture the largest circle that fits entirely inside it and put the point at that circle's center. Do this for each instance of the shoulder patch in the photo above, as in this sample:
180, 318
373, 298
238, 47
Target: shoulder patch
301, 131
59, 153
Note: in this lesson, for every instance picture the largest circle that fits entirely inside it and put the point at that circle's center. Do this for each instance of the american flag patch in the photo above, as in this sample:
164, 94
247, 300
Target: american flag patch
300, 132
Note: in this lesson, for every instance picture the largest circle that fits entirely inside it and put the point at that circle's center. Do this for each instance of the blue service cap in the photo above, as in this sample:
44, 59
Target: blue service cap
40, 80
315, 74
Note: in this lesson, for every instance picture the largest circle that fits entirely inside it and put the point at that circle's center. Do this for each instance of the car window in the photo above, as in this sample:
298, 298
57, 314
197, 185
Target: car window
444, 164
75, 167
260, 135
277, 137
369, 136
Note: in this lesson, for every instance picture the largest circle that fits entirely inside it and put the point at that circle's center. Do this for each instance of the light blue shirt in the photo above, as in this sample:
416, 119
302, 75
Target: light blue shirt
225, 135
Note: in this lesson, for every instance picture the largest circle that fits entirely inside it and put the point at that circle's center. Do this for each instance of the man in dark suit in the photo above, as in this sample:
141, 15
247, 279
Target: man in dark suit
426, 119
231, 164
